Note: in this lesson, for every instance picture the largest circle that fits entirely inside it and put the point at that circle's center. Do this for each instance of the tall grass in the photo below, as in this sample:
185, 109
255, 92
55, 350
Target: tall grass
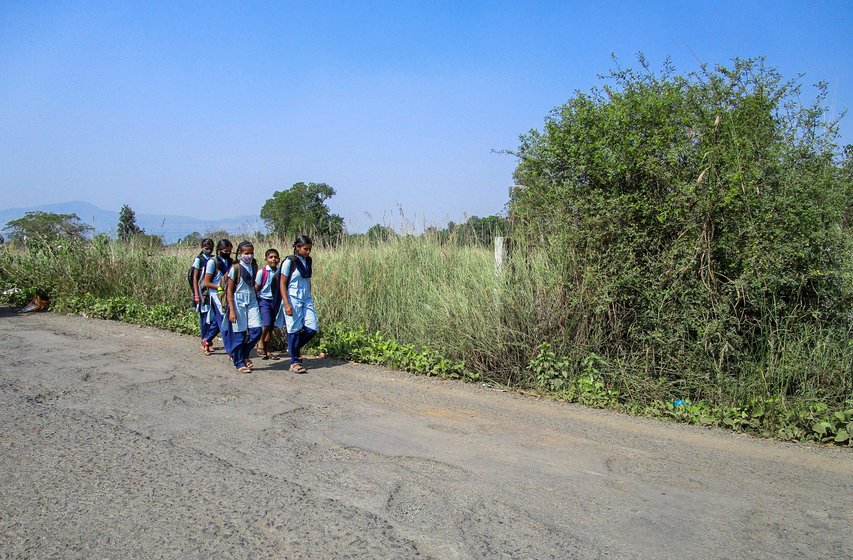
102, 268
430, 293
416, 291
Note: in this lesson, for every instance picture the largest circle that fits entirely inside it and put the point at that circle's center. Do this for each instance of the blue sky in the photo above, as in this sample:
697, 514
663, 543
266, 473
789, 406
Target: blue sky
206, 108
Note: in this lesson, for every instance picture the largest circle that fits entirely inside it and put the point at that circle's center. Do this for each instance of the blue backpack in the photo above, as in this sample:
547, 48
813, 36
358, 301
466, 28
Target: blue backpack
304, 270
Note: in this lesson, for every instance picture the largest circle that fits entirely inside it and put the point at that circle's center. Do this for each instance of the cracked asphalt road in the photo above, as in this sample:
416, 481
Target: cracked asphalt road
126, 442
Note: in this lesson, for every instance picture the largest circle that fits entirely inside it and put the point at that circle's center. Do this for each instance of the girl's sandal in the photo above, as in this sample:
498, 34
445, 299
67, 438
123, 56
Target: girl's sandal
271, 357
297, 368
244, 369
249, 364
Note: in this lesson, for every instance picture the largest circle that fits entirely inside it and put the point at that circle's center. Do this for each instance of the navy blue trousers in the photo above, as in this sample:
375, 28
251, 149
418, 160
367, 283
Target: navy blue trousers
295, 342
213, 328
239, 344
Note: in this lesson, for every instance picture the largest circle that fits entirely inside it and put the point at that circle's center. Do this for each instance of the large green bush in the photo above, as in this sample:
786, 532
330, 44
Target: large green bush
698, 225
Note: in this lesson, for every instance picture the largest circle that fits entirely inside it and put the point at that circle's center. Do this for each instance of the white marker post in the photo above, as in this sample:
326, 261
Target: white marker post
501, 251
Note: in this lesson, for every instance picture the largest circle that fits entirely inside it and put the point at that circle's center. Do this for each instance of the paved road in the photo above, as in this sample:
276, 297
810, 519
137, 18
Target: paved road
126, 442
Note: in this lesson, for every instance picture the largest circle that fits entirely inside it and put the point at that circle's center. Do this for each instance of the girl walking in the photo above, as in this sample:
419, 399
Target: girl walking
297, 304
269, 299
213, 273
242, 329
201, 293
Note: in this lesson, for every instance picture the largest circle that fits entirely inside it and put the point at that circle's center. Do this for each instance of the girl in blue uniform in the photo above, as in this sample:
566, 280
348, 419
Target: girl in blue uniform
213, 273
201, 297
242, 328
266, 284
297, 305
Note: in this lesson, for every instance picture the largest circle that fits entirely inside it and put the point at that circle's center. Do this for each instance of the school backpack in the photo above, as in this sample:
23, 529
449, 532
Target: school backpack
304, 271
248, 277
203, 290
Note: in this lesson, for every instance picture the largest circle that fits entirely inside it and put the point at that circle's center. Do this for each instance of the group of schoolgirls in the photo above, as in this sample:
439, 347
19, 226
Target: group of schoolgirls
243, 303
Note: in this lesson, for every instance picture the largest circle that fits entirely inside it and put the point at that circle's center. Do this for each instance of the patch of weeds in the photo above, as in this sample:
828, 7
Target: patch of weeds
129, 310
582, 383
770, 417
356, 344
835, 428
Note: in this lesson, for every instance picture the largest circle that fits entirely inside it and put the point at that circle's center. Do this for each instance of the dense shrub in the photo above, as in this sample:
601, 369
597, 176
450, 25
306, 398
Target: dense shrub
697, 226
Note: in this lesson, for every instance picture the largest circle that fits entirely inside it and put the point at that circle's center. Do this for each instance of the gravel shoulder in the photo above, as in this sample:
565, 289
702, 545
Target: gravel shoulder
126, 442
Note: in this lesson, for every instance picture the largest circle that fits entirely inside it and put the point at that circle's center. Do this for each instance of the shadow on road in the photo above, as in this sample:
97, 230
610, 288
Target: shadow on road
311, 364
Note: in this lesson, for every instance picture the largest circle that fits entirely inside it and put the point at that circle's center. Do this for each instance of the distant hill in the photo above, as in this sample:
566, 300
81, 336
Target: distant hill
169, 226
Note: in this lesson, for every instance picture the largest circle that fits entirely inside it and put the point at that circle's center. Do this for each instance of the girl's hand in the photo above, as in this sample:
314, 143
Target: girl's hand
288, 310
196, 299
232, 315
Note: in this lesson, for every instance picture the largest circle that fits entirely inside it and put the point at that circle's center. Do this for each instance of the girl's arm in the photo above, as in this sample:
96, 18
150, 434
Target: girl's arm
196, 295
282, 288
230, 286
208, 278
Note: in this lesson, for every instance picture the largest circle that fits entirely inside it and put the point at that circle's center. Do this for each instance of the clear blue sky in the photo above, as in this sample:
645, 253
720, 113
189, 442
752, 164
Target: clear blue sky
206, 108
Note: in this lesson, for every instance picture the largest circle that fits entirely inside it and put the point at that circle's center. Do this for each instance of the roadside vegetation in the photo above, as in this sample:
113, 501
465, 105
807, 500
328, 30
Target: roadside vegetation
680, 246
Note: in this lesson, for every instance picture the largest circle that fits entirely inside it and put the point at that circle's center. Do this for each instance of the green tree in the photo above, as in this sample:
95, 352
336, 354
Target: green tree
302, 209
474, 231
480, 231
847, 179
48, 226
190, 239
688, 215
127, 227
217, 235
378, 232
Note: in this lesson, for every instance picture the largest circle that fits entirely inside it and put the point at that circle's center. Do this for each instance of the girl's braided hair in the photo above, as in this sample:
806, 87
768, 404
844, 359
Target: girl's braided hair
300, 241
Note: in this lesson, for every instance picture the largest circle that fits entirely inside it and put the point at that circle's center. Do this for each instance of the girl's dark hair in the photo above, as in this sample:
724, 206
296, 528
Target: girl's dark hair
270, 252
205, 242
223, 244
300, 241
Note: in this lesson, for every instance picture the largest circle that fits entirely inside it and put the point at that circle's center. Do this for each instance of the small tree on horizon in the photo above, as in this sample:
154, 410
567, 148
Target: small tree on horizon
127, 227
217, 235
191, 239
302, 209
47, 225
378, 232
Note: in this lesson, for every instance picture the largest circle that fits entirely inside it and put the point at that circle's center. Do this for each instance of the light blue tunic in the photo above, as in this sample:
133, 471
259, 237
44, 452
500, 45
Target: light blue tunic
299, 294
245, 303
